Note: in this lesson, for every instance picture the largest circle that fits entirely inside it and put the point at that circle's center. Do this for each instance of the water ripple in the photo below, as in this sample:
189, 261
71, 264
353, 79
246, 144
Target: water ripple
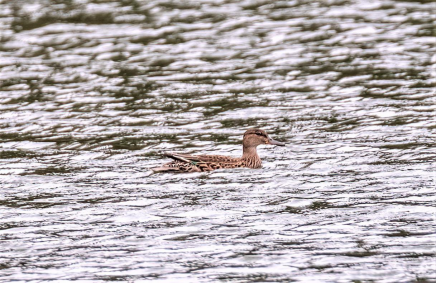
93, 92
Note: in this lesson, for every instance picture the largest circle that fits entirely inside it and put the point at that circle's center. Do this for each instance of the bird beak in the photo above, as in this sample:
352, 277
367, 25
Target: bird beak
273, 142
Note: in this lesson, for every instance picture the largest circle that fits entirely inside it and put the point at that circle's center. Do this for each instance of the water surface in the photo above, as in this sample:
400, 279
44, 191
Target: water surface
92, 93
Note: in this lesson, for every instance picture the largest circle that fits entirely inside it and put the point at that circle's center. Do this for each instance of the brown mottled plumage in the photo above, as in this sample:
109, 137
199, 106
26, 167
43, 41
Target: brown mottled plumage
199, 163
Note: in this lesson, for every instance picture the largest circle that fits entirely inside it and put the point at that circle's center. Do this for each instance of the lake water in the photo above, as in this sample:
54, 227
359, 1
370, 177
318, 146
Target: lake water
92, 93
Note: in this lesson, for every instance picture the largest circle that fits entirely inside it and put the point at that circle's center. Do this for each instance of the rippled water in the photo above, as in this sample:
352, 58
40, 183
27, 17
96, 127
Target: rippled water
92, 92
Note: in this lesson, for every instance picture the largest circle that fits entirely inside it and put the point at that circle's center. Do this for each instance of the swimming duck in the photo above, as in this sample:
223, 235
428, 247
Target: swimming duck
185, 163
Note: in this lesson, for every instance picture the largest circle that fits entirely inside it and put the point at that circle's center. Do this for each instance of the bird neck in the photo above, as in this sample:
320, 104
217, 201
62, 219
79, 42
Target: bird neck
250, 157
249, 152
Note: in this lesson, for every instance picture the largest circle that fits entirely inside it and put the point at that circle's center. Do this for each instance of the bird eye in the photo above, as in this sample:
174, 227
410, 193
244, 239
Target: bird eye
259, 134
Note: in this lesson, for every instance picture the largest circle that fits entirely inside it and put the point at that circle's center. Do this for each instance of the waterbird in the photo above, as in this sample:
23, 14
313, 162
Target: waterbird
185, 163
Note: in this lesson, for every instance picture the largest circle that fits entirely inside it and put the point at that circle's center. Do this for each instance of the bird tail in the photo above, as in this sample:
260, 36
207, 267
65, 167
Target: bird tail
180, 159
164, 169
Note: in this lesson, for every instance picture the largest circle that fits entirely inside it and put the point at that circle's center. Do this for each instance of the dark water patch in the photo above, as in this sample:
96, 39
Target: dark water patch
170, 4
341, 127
407, 145
95, 200
13, 137
115, 141
254, 5
399, 233
52, 170
291, 209
70, 14
424, 84
30, 201
398, 121
10, 154
418, 255
216, 138
317, 205
262, 277
242, 123
129, 143
93, 93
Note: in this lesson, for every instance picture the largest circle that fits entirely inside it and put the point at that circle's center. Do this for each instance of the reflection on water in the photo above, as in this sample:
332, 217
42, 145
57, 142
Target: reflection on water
92, 92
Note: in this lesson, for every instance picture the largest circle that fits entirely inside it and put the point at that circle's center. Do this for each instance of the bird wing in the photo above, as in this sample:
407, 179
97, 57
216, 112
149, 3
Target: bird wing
199, 158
